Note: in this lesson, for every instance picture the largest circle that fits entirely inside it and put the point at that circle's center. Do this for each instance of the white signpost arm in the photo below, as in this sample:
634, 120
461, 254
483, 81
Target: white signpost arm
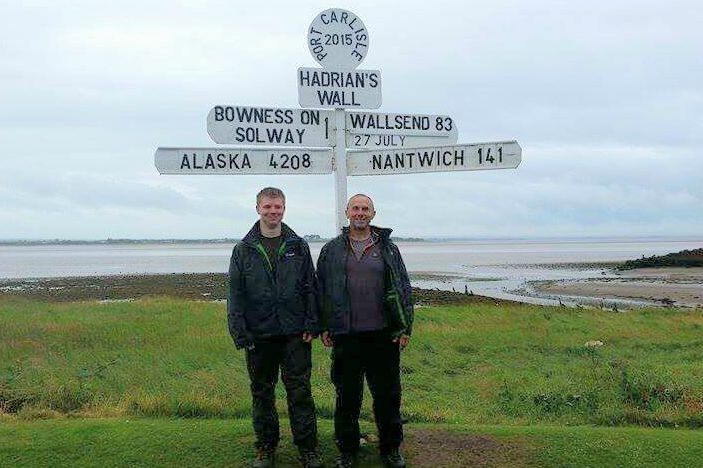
340, 172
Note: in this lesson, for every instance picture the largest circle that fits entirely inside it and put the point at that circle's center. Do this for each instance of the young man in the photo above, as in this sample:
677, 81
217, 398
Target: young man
367, 315
272, 314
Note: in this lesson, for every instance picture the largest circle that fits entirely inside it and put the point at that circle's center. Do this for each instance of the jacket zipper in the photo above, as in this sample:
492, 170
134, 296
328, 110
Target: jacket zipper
346, 284
262, 252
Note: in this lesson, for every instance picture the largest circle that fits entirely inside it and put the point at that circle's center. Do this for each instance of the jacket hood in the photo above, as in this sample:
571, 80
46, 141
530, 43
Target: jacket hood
254, 234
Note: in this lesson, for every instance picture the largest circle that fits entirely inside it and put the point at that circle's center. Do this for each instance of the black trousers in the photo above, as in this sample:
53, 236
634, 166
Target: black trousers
374, 355
292, 355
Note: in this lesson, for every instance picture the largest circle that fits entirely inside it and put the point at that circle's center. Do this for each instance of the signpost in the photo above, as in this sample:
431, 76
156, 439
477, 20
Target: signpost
314, 140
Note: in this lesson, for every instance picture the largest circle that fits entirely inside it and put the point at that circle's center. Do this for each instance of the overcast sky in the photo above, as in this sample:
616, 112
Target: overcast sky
605, 98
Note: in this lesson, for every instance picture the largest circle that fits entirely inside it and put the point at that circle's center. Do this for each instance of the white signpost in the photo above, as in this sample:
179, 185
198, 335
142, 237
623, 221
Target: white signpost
317, 139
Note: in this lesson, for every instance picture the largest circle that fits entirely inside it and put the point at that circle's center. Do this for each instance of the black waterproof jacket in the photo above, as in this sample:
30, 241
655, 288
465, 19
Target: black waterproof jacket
334, 292
263, 301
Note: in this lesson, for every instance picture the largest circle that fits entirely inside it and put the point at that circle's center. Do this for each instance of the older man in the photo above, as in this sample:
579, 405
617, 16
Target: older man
367, 316
272, 315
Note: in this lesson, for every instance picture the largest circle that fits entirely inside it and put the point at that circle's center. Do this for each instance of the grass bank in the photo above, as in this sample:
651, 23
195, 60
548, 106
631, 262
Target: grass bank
479, 364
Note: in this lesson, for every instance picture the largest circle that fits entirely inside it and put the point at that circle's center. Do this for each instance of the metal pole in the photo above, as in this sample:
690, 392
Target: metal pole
340, 173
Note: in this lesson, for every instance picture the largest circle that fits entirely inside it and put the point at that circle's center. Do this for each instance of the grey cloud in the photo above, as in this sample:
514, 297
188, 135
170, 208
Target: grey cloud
604, 97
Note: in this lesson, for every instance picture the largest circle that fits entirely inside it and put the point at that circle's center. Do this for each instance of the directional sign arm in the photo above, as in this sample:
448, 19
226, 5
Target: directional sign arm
243, 161
336, 89
401, 124
473, 157
270, 126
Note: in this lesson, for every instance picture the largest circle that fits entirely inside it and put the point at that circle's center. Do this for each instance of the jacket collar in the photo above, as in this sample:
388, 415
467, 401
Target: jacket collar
254, 234
383, 233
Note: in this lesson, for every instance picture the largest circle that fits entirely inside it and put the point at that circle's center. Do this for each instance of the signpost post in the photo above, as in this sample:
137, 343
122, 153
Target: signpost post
315, 139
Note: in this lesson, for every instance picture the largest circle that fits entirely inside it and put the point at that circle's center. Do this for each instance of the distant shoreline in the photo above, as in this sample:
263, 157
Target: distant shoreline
313, 238
159, 241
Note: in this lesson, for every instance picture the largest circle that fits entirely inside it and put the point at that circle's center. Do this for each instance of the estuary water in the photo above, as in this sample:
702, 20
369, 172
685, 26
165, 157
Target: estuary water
496, 268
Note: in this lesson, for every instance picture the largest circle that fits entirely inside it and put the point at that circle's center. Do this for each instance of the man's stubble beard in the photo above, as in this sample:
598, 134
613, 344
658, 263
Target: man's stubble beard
359, 225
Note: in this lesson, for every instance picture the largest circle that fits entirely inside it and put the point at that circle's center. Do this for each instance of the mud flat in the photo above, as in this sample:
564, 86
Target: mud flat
194, 286
668, 286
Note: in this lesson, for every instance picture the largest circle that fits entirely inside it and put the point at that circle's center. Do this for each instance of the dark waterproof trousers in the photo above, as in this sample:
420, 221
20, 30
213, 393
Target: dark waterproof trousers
374, 355
292, 355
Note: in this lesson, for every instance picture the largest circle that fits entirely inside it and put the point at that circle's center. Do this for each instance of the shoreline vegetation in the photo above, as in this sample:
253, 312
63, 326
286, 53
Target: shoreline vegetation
684, 258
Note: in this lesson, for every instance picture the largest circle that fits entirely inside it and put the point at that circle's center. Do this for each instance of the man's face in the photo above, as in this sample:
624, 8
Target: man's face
271, 211
360, 212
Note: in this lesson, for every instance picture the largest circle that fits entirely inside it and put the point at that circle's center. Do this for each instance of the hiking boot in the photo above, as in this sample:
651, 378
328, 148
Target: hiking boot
345, 460
310, 458
393, 459
264, 458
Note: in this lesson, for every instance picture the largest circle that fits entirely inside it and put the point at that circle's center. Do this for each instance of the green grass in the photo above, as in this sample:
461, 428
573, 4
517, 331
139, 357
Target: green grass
158, 382
465, 365
214, 442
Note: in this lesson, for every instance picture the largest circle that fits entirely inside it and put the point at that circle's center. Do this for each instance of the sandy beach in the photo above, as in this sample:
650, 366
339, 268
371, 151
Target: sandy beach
665, 286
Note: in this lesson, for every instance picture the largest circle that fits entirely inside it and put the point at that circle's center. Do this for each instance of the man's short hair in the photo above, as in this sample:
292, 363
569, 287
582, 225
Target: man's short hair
360, 195
271, 192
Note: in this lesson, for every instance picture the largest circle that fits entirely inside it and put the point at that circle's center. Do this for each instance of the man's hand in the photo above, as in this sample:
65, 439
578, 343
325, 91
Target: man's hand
402, 341
326, 339
307, 337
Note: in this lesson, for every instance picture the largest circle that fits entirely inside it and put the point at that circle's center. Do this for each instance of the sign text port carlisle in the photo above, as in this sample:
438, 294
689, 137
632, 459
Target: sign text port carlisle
338, 39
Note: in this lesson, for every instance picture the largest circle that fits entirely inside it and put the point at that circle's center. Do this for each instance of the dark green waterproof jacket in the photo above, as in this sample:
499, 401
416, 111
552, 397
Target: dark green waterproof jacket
334, 292
264, 301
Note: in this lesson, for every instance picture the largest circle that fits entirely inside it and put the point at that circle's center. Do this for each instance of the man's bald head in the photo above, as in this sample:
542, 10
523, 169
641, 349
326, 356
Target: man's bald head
351, 199
360, 212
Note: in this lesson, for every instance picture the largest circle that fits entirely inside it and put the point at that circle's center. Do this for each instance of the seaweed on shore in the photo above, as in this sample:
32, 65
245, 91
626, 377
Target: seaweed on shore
684, 258
193, 286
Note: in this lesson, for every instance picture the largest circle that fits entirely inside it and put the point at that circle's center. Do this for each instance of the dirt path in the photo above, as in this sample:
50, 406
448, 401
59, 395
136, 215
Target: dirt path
432, 448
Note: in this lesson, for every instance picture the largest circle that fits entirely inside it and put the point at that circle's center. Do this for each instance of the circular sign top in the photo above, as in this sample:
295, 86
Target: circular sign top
338, 39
